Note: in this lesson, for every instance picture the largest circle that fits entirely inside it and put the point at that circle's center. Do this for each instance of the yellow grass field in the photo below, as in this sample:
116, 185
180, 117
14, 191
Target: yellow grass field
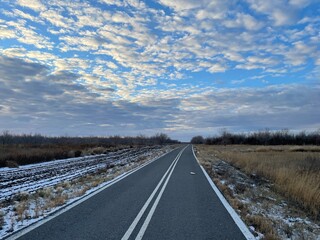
294, 170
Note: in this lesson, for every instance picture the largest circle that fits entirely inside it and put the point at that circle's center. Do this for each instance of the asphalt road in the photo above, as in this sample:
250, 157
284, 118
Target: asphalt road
162, 200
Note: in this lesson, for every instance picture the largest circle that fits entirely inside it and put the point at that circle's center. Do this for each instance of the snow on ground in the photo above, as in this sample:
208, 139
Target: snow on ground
29, 178
32, 192
257, 202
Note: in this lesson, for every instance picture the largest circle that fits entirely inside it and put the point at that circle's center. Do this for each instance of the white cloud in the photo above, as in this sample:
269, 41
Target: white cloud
22, 53
248, 66
207, 14
244, 20
265, 61
241, 108
70, 64
27, 35
6, 33
282, 17
300, 53
112, 2
124, 53
179, 5
278, 11
300, 3
35, 5
56, 19
217, 68
81, 43
233, 56
26, 15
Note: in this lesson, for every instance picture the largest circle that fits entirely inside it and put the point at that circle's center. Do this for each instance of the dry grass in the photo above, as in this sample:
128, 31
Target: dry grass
43, 193
21, 209
264, 225
59, 200
294, 170
1, 219
21, 154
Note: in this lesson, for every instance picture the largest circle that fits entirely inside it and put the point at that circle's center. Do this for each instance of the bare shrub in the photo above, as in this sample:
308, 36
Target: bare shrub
12, 223
71, 154
263, 224
22, 196
20, 209
97, 182
38, 210
59, 200
12, 164
26, 149
1, 220
44, 193
224, 189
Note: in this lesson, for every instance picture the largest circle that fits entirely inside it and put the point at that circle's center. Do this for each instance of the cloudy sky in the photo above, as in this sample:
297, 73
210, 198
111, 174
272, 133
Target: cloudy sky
183, 67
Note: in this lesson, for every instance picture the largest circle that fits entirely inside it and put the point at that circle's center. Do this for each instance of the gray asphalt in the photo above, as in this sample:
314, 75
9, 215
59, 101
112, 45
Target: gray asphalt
188, 208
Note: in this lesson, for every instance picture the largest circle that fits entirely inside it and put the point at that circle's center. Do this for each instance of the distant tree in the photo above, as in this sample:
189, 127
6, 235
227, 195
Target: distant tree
36, 139
197, 140
226, 137
266, 137
161, 138
6, 137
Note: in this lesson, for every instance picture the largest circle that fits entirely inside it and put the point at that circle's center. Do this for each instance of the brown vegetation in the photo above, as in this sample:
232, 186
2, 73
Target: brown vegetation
18, 150
13, 155
243, 173
294, 170
264, 225
1, 219
265, 137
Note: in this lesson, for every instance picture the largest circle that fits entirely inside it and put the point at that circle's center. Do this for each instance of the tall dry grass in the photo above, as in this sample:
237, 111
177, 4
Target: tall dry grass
24, 149
1, 219
295, 171
22, 154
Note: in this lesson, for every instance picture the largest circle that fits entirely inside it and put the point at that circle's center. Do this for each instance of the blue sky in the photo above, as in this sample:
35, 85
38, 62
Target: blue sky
183, 67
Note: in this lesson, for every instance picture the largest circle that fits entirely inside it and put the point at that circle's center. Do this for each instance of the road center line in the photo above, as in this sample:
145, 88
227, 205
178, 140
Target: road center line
145, 206
155, 204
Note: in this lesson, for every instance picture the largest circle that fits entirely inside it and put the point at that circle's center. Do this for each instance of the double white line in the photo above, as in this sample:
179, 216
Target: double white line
165, 177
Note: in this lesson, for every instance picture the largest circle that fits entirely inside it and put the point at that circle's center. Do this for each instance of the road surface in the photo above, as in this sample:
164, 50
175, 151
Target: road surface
170, 198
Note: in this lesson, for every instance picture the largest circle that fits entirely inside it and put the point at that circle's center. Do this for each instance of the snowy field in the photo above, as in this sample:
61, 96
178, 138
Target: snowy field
24, 191
32, 177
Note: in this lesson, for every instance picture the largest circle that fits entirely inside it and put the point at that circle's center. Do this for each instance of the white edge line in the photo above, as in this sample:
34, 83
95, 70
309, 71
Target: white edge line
241, 225
67, 207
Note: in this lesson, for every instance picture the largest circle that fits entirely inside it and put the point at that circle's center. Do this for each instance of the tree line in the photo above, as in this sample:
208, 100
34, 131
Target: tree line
21, 149
7, 138
265, 137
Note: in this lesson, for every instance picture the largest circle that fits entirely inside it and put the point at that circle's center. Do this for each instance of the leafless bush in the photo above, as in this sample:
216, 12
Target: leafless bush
26, 149
20, 210
264, 225
1, 219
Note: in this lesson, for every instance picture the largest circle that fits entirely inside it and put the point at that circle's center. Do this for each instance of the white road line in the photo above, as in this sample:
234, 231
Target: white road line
62, 210
155, 204
241, 225
145, 206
